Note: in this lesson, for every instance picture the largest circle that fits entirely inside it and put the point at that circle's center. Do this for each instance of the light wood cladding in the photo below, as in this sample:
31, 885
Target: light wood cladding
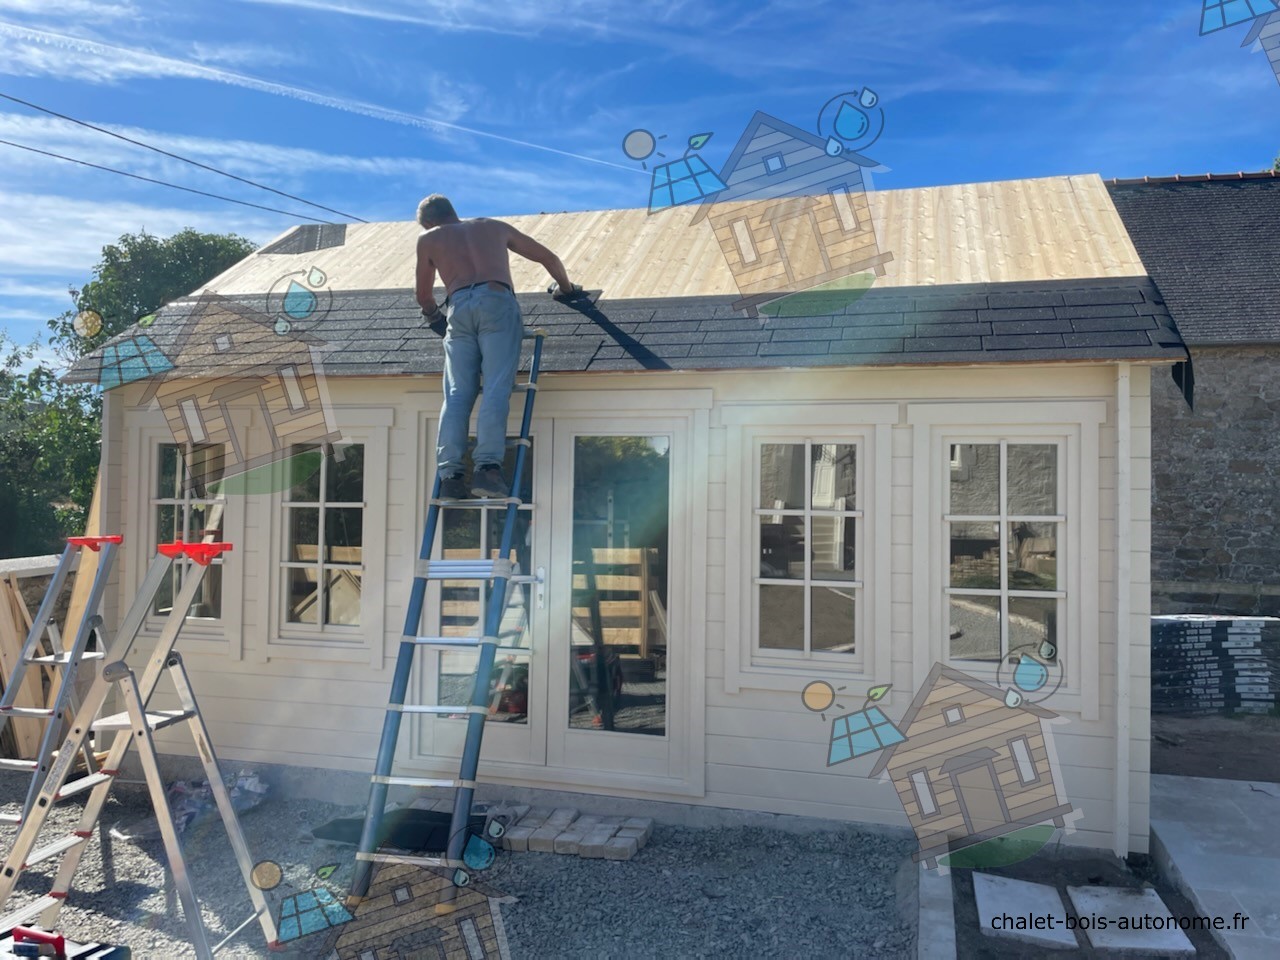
1054, 228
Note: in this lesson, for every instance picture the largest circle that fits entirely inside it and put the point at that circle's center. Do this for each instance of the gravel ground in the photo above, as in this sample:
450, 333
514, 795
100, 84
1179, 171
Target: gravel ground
741, 891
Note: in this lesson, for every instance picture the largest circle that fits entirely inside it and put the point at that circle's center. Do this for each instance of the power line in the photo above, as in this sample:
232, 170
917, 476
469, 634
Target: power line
162, 183
175, 156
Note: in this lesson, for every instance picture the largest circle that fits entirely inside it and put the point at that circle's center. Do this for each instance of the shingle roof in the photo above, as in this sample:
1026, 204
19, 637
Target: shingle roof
1212, 245
382, 332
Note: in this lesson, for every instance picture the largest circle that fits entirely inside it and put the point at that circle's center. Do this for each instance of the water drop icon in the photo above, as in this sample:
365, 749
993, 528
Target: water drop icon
1030, 674
834, 147
317, 277
299, 302
283, 326
1048, 650
478, 854
868, 98
850, 123
1012, 698
461, 878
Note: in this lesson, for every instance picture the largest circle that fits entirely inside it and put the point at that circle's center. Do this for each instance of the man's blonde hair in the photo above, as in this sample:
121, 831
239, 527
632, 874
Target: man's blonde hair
436, 209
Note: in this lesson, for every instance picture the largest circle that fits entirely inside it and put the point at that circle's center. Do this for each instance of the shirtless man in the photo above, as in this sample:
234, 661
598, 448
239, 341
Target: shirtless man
484, 330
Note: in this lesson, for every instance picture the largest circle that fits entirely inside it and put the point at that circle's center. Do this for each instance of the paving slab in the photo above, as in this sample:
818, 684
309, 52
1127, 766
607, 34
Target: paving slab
620, 848
1106, 908
1022, 911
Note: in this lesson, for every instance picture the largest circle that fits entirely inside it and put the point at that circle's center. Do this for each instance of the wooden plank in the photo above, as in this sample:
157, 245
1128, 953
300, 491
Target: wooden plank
26, 732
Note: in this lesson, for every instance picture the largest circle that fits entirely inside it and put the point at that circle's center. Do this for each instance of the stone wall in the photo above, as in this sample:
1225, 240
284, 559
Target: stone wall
1215, 539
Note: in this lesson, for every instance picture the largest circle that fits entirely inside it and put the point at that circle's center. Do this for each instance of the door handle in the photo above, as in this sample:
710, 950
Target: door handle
542, 588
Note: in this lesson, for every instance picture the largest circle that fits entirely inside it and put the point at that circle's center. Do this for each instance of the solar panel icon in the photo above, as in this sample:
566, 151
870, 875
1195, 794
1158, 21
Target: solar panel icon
310, 912
686, 180
133, 359
1220, 14
860, 733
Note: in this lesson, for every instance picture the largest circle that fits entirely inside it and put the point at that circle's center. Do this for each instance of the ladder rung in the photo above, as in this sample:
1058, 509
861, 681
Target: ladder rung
468, 643
29, 912
41, 713
52, 850
478, 503
441, 710
425, 782
416, 861
463, 569
519, 442
24, 765
532, 334
12, 819
156, 720
83, 784
64, 658
524, 388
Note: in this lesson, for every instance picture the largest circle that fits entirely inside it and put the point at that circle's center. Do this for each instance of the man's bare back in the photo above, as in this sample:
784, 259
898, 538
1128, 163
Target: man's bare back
466, 252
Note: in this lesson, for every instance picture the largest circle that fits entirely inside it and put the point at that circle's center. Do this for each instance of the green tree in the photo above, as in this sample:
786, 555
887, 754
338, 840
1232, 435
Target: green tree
1276, 166
49, 430
139, 274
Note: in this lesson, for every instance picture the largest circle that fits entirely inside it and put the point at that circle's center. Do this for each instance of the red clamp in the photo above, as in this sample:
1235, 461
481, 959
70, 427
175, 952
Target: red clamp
93, 543
201, 553
59, 943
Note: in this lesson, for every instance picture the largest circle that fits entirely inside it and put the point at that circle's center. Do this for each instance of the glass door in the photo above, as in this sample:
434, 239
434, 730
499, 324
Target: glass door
611, 589
516, 730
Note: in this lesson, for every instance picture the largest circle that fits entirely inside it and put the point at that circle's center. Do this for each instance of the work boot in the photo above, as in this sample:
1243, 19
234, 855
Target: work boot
487, 482
453, 488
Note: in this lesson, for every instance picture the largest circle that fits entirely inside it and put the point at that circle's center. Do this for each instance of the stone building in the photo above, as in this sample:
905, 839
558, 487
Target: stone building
1212, 245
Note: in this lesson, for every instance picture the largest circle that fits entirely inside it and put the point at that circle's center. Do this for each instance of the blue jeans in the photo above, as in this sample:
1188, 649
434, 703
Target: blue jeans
484, 336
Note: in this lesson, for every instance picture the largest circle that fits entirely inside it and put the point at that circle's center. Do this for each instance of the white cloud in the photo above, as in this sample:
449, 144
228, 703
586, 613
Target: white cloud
20, 287
81, 9
242, 54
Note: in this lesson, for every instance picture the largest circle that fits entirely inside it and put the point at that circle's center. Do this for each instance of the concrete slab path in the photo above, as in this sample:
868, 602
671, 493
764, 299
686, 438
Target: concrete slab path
1218, 842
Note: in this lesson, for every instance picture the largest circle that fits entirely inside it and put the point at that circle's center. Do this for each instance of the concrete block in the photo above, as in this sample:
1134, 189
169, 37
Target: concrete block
593, 845
569, 843
1026, 912
620, 848
562, 816
638, 836
543, 840
517, 839
638, 826
1113, 903
613, 821
519, 812
535, 818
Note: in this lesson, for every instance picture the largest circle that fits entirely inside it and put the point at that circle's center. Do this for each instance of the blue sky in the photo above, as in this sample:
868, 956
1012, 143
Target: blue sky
511, 107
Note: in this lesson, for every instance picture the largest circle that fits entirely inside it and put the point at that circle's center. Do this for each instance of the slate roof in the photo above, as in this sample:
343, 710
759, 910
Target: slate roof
1212, 245
382, 332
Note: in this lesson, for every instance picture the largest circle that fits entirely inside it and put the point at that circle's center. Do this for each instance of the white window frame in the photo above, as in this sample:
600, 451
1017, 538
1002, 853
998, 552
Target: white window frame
1075, 424
1024, 761
146, 431
869, 426
370, 427
747, 252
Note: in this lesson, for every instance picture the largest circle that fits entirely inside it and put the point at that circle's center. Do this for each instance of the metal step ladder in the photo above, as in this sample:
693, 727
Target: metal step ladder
137, 723
501, 572
66, 662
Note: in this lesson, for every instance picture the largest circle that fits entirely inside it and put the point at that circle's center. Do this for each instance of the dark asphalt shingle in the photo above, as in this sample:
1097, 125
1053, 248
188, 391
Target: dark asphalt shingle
1213, 248
383, 333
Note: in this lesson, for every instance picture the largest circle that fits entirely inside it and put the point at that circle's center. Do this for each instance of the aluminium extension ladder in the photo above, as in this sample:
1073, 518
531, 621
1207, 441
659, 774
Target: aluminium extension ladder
136, 723
67, 662
501, 572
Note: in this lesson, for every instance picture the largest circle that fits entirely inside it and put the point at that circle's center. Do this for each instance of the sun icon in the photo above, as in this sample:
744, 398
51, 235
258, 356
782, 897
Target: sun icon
640, 145
818, 696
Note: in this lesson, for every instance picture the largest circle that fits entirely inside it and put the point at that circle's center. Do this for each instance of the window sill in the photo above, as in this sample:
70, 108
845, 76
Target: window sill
317, 648
795, 676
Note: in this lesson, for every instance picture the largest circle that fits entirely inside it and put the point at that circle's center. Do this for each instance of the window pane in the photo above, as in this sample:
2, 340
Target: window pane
781, 617
975, 479
306, 471
975, 556
302, 596
782, 548
831, 615
168, 524
1033, 556
169, 476
205, 467
342, 597
163, 602
1033, 478
304, 533
456, 679
344, 480
1032, 621
461, 601
834, 476
974, 625
833, 548
205, 520
208, 600
343, 534
782, 475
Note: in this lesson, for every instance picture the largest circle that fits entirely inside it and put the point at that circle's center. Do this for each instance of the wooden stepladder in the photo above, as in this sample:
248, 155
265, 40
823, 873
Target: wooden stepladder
136, 724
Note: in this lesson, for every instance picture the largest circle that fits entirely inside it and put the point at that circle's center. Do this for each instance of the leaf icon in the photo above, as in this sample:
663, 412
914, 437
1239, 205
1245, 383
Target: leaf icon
877, 693
327, 871
698, 141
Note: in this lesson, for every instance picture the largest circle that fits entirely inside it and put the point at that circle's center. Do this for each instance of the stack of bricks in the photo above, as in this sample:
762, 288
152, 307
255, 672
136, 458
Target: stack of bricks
563, 831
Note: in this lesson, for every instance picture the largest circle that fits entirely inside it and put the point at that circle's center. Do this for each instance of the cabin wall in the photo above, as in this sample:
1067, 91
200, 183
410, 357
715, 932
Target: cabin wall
291, 703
